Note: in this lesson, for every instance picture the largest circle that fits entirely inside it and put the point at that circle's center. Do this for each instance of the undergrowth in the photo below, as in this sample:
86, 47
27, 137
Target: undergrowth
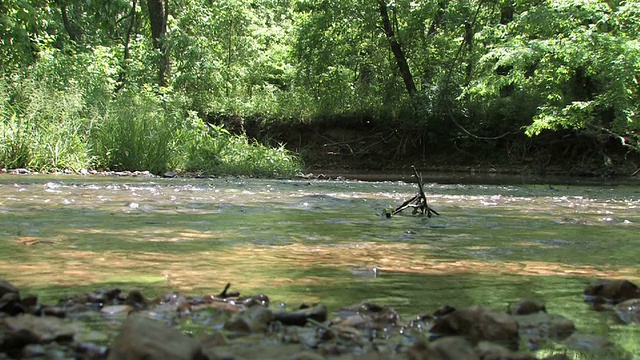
48, 127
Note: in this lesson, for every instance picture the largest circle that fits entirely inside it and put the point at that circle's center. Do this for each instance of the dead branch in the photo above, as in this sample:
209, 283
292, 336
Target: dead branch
418, 202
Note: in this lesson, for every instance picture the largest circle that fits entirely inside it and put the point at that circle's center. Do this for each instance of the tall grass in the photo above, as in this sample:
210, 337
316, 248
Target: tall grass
134, 133
74, 124
41, 128
211, 149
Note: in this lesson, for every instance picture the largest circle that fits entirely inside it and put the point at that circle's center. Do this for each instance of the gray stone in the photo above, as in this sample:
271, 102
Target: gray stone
22, 330
629, 311
526, 307
455, 348
142, 338
540, 327
479, 323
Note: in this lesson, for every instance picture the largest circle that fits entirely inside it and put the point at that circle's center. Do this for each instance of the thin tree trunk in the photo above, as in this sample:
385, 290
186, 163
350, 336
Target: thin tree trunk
74, 35
437, 20
401, 60
158, 12
127, 53
468, 40
229, 55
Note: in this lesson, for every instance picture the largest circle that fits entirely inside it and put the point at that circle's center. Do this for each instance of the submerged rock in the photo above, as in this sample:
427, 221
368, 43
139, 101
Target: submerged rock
537, 329
629, 311
592, 344
526, 306
613, 291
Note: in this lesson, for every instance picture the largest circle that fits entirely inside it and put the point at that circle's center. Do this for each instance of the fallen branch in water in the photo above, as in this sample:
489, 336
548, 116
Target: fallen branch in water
418, 202
224, 294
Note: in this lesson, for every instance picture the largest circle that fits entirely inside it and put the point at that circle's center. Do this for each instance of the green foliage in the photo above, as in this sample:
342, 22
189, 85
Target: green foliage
42, 129
531, 66
134, 134
575, 62
212, 149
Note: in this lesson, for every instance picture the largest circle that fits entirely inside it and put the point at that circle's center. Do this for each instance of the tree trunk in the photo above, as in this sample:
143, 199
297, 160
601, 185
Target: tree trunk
437, 20
158, 13
74, 34
401, 60
122, 77
468, 40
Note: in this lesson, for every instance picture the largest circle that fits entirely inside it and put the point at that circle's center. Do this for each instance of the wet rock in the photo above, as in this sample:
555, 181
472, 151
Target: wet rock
371, 313
455, 348
591, 344
255, 319
421, 350
7, 287
307, 355
255, 350
30, 303
299, 317
142, 338
613, 291
116, 310
479, 323
26, 329
91, 351
136, 300
444, 310
539, 328
100, 297
490, 351
48, 351
213, 340
366, 272
557, 357
629, 311
526, 306
260, 300
10, 304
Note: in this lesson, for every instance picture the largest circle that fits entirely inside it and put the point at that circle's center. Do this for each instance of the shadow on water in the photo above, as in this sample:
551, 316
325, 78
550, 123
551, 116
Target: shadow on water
304, 241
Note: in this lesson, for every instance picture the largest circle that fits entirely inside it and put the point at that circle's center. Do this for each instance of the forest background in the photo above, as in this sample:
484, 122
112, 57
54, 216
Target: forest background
242, 87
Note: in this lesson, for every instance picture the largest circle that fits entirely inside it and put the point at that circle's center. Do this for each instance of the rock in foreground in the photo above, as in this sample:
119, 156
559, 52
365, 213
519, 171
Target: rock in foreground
142, 339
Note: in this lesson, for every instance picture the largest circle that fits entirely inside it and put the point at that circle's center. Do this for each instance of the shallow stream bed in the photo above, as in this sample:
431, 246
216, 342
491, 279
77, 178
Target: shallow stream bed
318, 241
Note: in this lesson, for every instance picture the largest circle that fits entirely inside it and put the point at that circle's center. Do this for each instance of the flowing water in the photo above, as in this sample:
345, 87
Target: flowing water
317, 241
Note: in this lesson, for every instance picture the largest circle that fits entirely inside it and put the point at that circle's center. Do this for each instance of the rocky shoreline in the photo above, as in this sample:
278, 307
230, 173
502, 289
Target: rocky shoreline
112, 324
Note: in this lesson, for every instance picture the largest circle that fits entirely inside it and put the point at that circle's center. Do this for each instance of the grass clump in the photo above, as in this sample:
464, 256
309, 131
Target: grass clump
211, 149
44, 127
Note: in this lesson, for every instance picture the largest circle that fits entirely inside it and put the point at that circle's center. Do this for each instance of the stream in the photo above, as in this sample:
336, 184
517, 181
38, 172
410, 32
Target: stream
319, 241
